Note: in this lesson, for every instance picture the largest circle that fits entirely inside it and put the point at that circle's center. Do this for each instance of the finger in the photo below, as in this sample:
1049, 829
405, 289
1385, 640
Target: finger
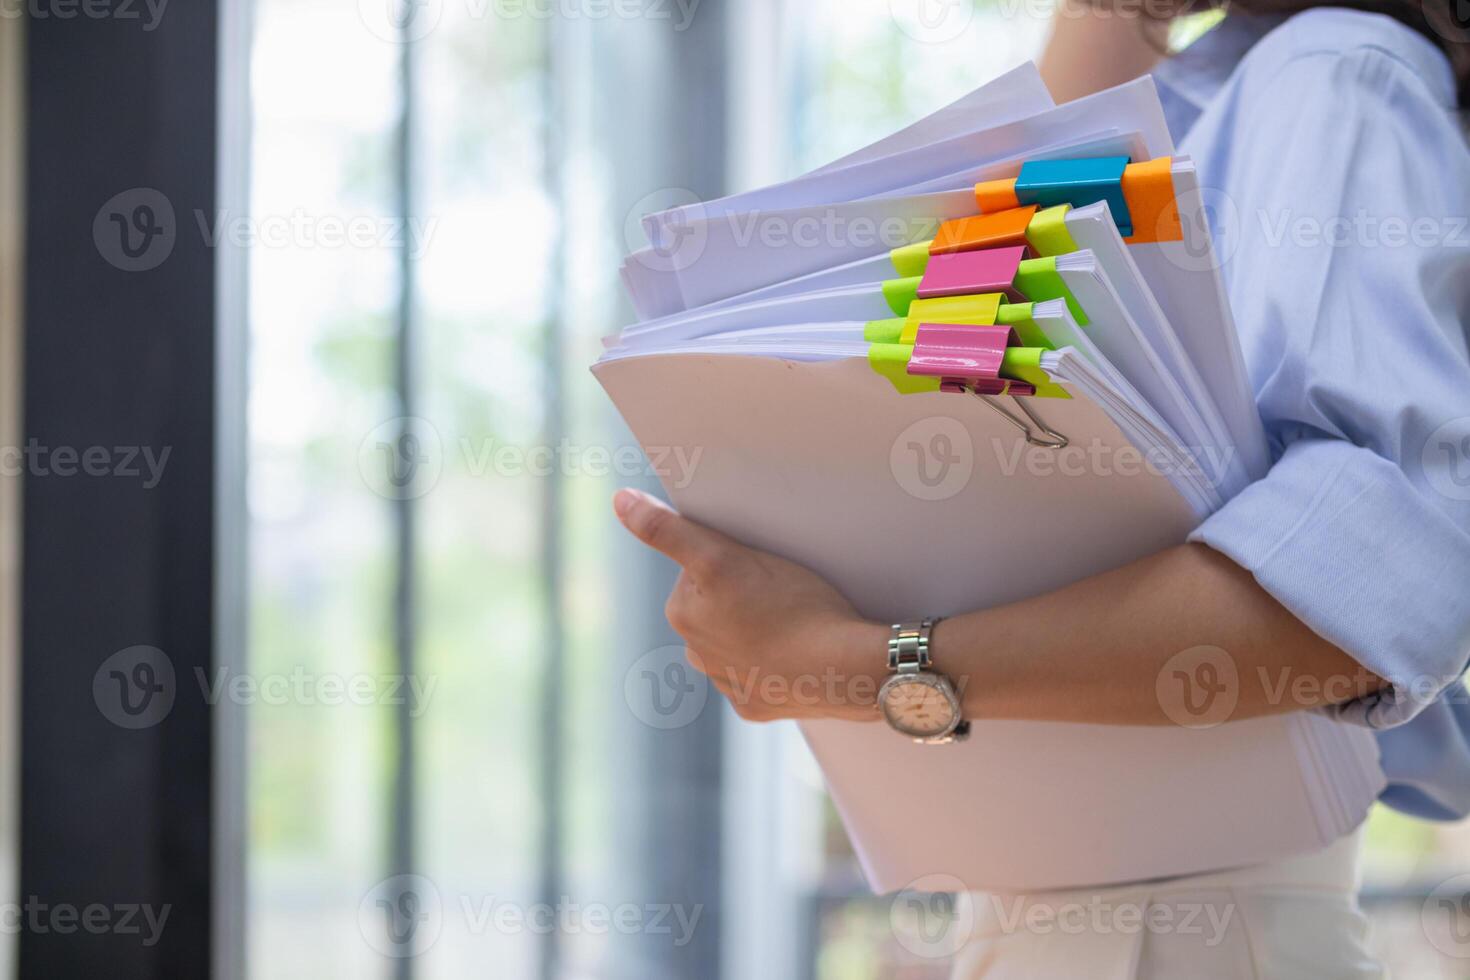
659, 526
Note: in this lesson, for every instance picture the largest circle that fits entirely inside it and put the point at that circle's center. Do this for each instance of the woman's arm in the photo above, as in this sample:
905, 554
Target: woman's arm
782, 643
1130, 646
1091, 49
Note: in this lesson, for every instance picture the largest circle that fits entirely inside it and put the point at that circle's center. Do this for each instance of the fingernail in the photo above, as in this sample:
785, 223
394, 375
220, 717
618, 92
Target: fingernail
624, 501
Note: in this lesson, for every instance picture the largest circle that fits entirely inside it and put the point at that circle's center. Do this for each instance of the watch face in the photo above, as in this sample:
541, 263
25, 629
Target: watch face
919, 705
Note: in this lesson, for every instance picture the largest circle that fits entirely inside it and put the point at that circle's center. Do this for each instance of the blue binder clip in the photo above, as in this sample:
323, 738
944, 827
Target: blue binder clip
1047, 183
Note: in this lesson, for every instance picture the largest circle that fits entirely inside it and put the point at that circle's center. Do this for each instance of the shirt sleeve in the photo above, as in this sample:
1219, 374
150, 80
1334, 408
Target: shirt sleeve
1348, 266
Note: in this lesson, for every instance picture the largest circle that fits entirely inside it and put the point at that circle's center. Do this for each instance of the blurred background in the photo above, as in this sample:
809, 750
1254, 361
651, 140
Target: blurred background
349, 262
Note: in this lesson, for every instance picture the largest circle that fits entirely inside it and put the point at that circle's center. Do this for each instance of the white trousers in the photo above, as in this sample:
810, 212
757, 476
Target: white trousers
1295, 919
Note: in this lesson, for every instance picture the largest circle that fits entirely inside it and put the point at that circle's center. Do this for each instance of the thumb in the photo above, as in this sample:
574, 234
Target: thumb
659, 526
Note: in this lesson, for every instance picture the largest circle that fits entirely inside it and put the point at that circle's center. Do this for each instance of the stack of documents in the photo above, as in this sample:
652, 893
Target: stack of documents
976, 361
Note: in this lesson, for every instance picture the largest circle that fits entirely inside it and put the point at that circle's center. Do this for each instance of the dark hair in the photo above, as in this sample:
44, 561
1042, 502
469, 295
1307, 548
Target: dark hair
1435, 19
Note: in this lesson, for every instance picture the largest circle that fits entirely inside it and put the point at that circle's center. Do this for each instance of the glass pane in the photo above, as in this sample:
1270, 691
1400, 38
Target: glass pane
327, 468
481, 288
872, 69
322, 295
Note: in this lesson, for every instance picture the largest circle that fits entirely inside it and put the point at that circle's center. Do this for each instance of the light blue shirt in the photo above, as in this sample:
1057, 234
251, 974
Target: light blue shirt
1339, 178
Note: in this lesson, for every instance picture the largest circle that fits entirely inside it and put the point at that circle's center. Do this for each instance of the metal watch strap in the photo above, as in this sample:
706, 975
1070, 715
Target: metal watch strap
908, 647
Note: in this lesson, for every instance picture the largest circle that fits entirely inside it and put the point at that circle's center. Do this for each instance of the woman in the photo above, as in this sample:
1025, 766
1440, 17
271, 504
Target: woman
1331, 143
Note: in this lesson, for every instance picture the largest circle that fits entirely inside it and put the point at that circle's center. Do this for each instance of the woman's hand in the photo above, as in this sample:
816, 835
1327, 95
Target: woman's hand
781, 643
772, 636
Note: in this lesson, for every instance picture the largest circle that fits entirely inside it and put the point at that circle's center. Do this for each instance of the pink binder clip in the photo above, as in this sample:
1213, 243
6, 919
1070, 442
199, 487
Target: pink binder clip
960, 350
991, 270
966, 358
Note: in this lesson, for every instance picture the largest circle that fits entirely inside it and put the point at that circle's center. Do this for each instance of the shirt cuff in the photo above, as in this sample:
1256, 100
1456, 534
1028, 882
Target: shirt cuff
1341, 538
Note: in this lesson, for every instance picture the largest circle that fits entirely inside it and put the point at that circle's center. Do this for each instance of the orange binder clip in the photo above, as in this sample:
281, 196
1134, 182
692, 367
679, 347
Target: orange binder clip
984, 231
1149, 189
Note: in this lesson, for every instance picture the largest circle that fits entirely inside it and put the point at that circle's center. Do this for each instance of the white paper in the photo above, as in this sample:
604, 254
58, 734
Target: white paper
1185, 279
864, 301
829, 467
1131, 107
1118, 335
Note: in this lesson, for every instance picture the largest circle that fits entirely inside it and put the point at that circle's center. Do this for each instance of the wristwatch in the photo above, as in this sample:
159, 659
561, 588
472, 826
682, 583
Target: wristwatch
916, 700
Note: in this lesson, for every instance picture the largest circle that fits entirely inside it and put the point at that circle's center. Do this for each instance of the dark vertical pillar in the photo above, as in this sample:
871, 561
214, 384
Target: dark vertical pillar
118, 492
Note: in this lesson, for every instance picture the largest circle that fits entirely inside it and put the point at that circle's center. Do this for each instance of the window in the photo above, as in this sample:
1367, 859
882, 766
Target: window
439, 197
